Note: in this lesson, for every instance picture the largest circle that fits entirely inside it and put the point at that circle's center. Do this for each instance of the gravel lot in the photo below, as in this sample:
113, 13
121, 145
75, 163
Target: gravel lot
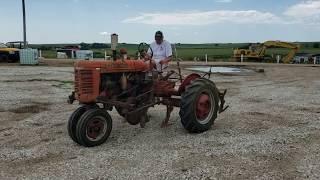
271, 131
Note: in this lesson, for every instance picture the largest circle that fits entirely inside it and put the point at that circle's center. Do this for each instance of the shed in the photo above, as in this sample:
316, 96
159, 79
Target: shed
84, 54
302, 58
70, 53
317, 58
29, 56
74, 52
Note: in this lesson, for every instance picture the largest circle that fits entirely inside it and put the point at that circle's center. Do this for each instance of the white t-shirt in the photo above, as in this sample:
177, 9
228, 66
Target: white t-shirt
160, 52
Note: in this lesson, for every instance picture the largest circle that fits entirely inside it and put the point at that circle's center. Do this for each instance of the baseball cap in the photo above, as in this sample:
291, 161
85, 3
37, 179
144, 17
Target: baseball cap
159, 34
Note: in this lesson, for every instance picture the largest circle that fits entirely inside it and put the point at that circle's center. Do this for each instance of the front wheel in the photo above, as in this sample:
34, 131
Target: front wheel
74, 119
94, 128
199, 106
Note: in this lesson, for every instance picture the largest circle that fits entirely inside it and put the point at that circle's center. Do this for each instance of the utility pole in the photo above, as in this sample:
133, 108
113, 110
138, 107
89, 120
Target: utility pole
24, 24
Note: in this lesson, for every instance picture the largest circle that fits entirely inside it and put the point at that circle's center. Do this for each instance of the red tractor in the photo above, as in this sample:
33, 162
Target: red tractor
132, 87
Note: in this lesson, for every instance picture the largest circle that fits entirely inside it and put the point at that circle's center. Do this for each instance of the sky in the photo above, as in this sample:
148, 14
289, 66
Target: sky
182, 21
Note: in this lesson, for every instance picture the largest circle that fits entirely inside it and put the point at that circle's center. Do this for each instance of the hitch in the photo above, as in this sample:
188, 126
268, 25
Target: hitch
222, 102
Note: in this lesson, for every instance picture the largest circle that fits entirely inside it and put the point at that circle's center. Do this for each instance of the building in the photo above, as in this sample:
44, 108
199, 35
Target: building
317, 58
74, 52
302, 58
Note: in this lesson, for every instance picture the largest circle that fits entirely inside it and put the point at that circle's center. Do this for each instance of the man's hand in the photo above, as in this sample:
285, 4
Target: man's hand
153, 63
166, 60
146, 57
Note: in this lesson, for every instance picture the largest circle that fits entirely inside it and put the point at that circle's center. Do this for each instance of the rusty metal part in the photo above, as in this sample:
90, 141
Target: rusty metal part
203, 106
142, 108
86, 83
171, 102
126, 92
134, 118
104, 100
165, 78
164, 88
96, 128
124, 82
117, 66
187, 81
137, 116
144, 94
165, 122
123, 51
222, 101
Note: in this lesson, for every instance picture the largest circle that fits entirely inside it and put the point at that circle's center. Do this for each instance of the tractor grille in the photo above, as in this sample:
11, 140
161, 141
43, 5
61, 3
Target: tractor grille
76, 81
83, 82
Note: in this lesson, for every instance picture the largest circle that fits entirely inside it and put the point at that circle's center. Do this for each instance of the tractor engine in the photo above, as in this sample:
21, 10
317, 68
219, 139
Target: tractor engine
122, 84
126, 89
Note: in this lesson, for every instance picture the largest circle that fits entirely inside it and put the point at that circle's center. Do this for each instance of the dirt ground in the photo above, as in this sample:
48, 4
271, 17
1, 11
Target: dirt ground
270, 131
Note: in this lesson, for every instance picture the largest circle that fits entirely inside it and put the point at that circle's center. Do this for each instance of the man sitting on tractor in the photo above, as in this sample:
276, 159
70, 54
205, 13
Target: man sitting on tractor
162, 52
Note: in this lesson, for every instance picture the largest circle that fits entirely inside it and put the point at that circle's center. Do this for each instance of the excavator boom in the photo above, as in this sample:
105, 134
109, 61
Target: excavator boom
259, 53
294, 48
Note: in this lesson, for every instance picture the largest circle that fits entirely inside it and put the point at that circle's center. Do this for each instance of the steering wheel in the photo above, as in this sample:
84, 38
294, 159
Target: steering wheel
143, 49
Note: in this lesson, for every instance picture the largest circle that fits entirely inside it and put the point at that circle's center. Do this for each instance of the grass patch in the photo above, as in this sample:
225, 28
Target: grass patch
219, 52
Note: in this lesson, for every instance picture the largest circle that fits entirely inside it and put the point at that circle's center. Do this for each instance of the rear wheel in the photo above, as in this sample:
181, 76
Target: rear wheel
94, 127
199, 106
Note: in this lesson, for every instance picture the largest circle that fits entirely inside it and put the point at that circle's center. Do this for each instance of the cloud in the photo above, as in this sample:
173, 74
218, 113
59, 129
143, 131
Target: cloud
223, 1
304, 9
305, 12
204, 18
104, 33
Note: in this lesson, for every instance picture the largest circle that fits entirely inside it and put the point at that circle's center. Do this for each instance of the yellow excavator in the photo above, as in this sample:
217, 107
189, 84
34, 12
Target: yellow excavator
9, 53
258, 52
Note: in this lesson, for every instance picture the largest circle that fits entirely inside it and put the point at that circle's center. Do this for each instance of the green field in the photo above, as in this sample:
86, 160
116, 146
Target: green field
215, 52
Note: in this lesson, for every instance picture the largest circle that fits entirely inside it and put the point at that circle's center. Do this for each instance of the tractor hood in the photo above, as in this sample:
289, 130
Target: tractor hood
110, 66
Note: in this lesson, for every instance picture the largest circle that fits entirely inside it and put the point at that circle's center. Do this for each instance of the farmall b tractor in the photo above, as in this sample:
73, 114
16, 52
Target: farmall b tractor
132, 87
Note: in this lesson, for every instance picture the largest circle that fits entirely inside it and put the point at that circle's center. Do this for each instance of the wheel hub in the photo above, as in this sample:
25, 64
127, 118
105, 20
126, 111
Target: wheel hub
96, 128
203, 107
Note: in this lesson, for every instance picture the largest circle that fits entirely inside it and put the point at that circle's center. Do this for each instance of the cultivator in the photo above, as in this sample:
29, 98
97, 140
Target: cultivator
132, 87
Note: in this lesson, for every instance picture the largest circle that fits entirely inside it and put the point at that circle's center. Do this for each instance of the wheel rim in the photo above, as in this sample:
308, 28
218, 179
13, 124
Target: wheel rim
204, 107
96, 128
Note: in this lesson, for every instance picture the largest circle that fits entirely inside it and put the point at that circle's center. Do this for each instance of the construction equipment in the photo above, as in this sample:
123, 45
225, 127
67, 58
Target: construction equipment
16, 44
132, 87
258, 52
8, 54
